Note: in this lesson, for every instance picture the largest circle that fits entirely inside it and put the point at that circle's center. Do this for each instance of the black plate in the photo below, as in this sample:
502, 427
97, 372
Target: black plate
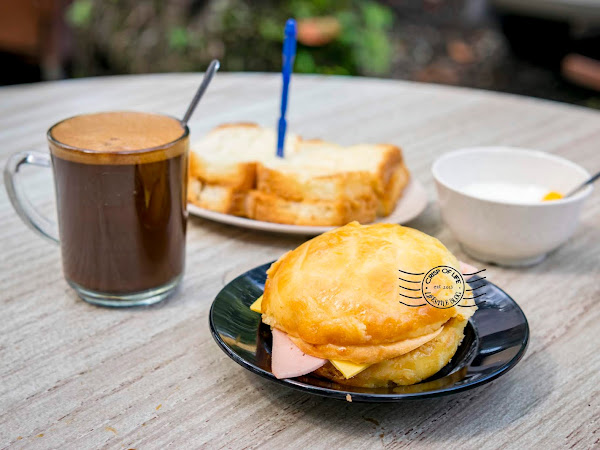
495, 340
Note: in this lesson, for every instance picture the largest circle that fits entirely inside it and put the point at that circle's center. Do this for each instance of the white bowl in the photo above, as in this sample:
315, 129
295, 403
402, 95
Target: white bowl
501, 232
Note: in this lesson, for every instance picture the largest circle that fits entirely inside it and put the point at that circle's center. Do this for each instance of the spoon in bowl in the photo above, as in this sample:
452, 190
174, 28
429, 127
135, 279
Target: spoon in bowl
584, 184
552, 195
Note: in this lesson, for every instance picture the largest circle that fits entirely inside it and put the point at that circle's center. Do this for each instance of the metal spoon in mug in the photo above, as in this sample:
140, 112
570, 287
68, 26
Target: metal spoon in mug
208, 76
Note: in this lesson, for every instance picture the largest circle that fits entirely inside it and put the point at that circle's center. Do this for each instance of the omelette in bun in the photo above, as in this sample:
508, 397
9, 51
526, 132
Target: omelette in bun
338, 307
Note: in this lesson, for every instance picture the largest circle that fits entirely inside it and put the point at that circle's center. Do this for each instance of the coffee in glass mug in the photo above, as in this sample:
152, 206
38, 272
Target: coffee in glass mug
121, 180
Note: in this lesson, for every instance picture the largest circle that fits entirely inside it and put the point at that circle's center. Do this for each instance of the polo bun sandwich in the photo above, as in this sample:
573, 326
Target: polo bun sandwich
337, 308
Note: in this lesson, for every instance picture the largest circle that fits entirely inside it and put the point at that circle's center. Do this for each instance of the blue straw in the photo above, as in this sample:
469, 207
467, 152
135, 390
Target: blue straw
289, 52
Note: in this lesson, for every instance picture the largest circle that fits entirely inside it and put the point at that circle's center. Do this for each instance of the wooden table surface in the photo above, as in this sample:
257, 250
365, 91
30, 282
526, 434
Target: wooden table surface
78, 376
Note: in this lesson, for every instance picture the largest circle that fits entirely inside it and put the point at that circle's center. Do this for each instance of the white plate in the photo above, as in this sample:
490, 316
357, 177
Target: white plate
413, 202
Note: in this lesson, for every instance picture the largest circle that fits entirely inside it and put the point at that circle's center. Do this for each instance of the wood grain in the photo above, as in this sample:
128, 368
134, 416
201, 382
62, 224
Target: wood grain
77, 376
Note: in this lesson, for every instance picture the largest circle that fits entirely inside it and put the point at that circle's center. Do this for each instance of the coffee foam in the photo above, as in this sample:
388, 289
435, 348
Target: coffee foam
120, 137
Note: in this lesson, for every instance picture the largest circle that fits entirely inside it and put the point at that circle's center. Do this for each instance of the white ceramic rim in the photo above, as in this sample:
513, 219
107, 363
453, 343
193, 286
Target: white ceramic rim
497, 149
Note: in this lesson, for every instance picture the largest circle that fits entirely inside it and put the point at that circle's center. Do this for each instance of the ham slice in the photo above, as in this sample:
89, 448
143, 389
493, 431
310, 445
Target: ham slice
288, 361
467, 268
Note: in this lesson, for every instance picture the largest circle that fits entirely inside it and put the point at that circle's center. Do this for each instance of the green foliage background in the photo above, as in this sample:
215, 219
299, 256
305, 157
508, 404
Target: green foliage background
130, 36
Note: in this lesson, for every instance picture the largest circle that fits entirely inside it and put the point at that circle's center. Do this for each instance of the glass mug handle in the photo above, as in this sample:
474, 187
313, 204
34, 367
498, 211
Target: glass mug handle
26, 211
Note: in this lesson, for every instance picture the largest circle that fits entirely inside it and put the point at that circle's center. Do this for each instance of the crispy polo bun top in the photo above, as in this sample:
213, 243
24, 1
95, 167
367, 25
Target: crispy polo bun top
337, 296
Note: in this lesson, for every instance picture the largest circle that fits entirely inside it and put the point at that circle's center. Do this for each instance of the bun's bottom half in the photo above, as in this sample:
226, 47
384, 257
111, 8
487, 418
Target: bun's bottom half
409, 368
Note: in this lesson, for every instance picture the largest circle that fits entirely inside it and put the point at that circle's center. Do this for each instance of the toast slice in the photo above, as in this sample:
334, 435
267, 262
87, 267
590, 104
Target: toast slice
327, 172
297, 183
228, 155
272, 208
223, 199
234, 170
393, 191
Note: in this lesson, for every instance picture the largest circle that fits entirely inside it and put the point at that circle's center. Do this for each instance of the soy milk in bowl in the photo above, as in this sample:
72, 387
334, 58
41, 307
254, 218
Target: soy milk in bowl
507, 192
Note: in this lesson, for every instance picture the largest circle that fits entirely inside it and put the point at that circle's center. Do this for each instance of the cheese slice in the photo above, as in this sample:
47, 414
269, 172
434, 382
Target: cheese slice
347, 368
257, 305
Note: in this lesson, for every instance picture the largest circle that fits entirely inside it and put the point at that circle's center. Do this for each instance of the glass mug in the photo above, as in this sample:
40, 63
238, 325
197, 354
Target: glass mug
121, 183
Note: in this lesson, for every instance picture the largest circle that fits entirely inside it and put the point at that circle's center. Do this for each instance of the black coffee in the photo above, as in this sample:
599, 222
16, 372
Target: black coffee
121, 212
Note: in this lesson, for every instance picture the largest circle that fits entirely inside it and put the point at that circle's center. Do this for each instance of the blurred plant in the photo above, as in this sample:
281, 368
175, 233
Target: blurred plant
80, 13
178, 38
346, 37
439, 41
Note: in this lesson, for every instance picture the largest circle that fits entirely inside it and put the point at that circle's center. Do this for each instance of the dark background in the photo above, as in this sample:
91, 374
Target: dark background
542, 48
